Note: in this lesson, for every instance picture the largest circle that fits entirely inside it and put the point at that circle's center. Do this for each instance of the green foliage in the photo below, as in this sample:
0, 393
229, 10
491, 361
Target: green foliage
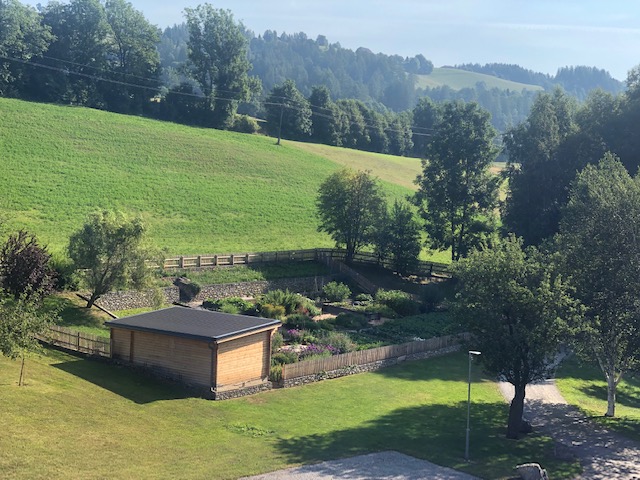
341, 342
245, 124
218, 60
518, 311
284, 358
351, 321
456, 193
348, 205
363, 297
426, 325
301, 321
398, 237
286, 106
599, 252
108, 249
228, 305
276, 312
276, 341
290, 301
64, 271
432, 295
336, 291
275, 373
399, 301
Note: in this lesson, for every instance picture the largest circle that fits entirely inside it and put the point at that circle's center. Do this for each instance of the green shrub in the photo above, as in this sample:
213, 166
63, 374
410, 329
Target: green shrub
301, 321
66, 277
336, 292
424, 326
432, 296
377, 308
328, 324
351, 321
308, 307
284, 358
276, 312
364, 298
277, 340
290, 301
399, 301
275, 373
245, 124
341, 342
228, 305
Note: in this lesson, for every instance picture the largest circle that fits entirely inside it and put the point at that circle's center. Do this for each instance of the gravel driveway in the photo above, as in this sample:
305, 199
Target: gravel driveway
375, 466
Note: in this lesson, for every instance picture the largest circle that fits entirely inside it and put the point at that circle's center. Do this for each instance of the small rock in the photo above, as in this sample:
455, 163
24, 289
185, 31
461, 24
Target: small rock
531, 471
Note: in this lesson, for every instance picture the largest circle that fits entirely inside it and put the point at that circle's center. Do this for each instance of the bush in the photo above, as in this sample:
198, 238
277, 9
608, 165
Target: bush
351, 321
336, 292
364, 298
65, 273
276, 312
400, 302
284, 358
228, 305
301, 321
277, 340
432, 296
245, 124
308, 307
275, 374
290, 301
424, 326
341, 342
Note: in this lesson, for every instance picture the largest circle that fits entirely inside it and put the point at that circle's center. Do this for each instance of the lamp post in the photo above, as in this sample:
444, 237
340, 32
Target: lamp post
466, 449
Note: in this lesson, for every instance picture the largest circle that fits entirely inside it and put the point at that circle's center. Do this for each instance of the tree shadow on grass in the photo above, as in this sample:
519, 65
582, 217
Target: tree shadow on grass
627, 395
136, 385
435, 433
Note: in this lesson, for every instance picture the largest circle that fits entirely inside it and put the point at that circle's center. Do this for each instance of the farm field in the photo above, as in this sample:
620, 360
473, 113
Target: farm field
80, 418
198, 190
458, 79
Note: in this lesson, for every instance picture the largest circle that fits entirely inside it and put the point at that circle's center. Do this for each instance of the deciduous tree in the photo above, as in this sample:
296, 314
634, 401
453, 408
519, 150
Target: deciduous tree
599, 246
349, 204
109, 252
286, 106
518, 312
457, 194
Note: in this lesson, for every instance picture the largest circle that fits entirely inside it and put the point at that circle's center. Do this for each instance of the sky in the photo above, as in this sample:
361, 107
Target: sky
541, 35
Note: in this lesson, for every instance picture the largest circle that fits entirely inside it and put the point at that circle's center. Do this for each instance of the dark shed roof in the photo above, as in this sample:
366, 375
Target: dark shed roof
191, 323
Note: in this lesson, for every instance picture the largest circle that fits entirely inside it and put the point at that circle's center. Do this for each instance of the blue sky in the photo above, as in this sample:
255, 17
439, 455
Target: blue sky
538, 34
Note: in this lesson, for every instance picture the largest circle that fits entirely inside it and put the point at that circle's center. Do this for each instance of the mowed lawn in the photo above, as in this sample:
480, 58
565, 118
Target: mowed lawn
87, 419
584, 385
198, 190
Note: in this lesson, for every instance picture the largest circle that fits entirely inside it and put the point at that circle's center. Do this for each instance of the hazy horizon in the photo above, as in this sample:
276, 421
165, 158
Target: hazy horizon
542, 36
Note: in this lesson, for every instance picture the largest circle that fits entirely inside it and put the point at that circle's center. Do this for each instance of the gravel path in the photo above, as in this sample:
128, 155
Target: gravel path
375, 466
602, 454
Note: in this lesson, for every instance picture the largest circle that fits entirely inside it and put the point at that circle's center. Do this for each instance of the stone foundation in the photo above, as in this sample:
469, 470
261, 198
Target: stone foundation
240, 392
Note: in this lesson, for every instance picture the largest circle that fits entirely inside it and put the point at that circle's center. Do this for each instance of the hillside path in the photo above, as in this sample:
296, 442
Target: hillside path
603, 454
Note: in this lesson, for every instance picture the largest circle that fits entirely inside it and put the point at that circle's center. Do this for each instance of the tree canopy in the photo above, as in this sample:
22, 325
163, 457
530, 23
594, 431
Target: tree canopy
456, 193
518, 312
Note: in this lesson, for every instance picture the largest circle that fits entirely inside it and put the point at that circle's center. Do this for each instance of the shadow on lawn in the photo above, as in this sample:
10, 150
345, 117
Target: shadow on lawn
138, 386
432, 432
626, 395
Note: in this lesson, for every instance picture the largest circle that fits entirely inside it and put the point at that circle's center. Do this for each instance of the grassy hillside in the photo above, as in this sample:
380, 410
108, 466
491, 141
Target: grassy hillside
199, 190
459, 79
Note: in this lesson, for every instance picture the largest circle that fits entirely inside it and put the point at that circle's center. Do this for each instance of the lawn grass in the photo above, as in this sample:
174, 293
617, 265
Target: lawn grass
584, 386
86, 419
458, 79
73, 313
198, 190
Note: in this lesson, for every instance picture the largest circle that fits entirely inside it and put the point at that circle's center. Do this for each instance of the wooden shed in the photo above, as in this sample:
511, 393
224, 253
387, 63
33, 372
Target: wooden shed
226, 354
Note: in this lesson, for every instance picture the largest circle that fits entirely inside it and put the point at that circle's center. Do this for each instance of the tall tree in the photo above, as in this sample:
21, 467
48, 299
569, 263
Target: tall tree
535, 165
457, 194
349, 204
24, 267
399, 237
324, 115
599, 246
425, 118
22, 37
288, 112
109, 251
218, 61
135, 56
518, 312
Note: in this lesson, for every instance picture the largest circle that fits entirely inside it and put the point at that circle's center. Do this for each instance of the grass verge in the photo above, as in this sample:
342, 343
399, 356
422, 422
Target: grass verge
584, 386
86, 419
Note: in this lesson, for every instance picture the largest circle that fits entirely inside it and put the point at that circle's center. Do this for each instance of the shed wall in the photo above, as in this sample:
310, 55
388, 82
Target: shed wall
244, 360
120, 343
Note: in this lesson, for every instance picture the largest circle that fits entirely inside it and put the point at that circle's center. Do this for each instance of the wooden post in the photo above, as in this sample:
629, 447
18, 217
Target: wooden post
181, 263
78, 342
199, 261
215, 260
232, 260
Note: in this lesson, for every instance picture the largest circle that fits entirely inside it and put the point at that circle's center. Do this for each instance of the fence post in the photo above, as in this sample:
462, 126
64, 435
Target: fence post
78, 341
199, 261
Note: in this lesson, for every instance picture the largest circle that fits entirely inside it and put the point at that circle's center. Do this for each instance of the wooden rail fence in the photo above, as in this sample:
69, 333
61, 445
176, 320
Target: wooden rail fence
77, 341
310, 255
364, 357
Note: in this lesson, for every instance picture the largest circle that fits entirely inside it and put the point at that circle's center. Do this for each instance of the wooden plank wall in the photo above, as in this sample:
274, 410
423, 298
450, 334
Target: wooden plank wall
243, 359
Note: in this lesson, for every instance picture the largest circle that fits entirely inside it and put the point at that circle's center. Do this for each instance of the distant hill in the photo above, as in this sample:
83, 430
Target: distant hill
198, 190
457, 79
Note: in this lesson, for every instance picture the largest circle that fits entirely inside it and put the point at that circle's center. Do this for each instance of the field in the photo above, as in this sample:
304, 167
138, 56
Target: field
86, 419
459, 79
198, 190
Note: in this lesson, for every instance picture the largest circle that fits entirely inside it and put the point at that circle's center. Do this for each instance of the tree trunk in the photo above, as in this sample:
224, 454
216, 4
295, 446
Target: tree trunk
21, 381
611, 396
92, 300
515, 412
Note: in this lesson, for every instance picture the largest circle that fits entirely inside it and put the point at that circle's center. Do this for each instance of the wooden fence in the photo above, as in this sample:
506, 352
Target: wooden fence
77, 341
364, 357
311, 255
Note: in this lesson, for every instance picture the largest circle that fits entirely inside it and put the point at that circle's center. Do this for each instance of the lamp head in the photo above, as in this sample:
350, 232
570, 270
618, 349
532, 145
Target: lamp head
474, 352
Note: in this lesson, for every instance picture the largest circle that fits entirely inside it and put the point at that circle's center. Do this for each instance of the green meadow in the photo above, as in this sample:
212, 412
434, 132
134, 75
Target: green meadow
458, 79
86, 419
198, 190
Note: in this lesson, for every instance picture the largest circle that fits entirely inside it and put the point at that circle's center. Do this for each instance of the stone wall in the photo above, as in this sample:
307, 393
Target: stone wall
240, 392
132, 299
369, 367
